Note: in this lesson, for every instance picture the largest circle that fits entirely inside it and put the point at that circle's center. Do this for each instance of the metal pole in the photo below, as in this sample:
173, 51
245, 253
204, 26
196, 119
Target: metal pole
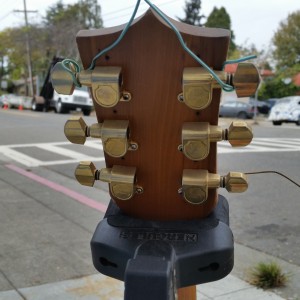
28, 50
255, 105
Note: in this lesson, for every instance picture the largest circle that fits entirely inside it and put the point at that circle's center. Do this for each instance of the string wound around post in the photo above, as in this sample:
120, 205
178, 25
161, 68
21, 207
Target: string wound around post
198, 84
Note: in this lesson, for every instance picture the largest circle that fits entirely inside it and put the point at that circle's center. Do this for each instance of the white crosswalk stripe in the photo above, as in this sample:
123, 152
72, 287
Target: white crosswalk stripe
263, 145
14, 152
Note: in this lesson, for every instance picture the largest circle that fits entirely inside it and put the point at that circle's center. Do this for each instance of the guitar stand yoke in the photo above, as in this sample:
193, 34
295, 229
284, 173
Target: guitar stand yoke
156, 258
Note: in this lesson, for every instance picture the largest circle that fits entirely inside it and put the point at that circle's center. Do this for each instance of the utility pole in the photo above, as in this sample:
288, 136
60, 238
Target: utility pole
28, 50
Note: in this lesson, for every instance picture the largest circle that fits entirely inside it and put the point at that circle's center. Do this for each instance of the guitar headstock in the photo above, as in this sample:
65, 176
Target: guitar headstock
157, 112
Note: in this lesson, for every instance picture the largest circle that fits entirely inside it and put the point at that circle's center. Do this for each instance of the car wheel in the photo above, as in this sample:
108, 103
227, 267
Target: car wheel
35, 106
242, 115
86, 112
298, 122
59, 108
277, 123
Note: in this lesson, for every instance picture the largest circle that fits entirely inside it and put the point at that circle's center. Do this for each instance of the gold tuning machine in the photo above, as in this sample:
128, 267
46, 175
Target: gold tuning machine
197, 136
245, 80
114, 134
121, 179
198, 84
196, 183
106, 83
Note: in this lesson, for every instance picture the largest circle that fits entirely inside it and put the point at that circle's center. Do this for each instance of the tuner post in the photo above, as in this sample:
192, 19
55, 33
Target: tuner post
106, 83
197, 136
198, 84
114, 134
196, 183
121, 179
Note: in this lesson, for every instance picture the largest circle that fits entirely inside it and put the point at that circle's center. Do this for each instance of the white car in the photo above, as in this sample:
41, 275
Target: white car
80, 99
286, 110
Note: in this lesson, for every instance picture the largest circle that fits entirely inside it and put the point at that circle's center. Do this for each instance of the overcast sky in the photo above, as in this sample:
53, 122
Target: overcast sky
253, 21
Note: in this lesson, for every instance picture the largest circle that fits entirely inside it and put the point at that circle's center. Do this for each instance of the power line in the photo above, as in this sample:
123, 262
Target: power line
5, 16
131, 7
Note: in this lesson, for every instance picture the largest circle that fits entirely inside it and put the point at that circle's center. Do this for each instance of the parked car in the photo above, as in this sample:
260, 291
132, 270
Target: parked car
12, 100
49, 99
80, 99
236, 109
263, 107
2, 100
286, 110
272, 101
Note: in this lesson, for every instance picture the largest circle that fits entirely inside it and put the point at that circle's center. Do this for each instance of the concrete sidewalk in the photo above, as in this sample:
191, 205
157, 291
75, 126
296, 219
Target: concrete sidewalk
98, 286
101, 287
45, 242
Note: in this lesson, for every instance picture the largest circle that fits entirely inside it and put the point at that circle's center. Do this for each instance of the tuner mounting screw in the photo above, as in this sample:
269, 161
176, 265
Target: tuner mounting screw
126, 96
180, 97
133, 146
139, 190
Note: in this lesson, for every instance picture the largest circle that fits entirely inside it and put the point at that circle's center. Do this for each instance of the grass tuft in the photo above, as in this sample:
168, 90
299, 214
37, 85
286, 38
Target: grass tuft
268, 275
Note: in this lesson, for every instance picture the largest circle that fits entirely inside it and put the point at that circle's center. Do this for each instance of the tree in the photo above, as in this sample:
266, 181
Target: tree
55, 36
85, 13
64, 21
192, 13
277, 88
219, 18
287, 42
13, 52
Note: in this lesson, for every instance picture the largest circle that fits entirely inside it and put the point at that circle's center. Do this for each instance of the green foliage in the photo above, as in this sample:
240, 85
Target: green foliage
276, 88
85, 13
279, 85
268, 275
14, 51
219, 18
192, 13
55, 36
64, 21
287, 41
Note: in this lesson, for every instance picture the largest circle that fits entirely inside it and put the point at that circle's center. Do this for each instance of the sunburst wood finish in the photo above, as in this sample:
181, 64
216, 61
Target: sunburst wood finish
152, 62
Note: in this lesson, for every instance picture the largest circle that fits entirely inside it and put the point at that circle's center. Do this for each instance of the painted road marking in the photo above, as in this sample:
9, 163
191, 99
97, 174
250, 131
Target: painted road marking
59, 188
263, 145
14, 151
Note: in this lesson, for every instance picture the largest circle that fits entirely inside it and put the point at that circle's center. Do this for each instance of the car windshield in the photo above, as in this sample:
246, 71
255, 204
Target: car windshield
285, 100
81, 88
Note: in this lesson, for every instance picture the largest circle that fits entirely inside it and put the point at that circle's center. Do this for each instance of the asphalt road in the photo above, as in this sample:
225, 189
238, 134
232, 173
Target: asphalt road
46, 231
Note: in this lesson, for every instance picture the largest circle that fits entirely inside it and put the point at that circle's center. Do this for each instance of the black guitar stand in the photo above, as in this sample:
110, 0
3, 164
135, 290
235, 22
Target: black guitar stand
154, 259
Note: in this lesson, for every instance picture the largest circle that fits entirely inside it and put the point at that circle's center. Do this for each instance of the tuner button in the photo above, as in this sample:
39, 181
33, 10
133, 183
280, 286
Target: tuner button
62, 80
239, 134
246, 80
75, 130
85, 173
236, 182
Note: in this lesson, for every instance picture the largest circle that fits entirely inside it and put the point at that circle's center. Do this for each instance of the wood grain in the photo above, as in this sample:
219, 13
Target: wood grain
152, 62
